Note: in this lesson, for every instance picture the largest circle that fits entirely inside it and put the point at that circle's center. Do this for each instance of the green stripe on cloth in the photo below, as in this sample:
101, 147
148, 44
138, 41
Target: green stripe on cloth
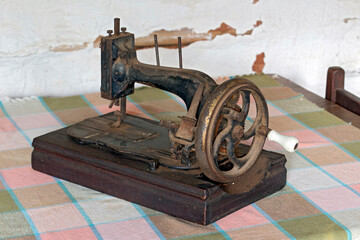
318, 119
262, 80
296, 105
7, 204
314, 227
353, 147
65, 103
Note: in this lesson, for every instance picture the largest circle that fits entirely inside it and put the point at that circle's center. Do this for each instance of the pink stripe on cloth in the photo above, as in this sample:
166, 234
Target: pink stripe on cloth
334, 199
32, 121
72, 234
307, 138
25, 176
247, 216
6, 125
348, 173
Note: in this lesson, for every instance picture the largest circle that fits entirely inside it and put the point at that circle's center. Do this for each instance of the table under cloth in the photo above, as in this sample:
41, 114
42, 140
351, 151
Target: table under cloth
320, 201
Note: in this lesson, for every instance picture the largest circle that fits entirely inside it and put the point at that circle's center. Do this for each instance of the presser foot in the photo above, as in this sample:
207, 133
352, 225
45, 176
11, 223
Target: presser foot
120, 117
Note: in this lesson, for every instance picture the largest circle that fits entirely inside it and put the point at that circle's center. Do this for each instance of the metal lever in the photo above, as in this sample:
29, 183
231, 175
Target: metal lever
116, 26
288, 143
180, 52
156, 50
188, 122
123, 105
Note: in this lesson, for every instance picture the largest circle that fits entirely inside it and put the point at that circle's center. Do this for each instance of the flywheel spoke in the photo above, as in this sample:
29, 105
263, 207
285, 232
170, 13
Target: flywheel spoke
225, 133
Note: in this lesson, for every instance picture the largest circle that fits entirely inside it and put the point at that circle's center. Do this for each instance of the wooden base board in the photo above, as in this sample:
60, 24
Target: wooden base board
183, 194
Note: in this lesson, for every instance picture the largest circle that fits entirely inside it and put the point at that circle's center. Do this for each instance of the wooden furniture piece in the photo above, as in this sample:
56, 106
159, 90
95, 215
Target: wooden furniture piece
336, 93
327, 105
183, 194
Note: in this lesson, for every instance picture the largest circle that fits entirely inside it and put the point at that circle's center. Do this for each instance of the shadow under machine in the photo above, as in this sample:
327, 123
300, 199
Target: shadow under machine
200, 169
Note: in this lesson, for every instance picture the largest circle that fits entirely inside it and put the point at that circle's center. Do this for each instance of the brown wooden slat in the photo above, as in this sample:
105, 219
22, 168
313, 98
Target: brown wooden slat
329, 106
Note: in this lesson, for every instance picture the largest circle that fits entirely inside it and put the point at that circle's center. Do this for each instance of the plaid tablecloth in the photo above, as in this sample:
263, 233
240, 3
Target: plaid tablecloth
321, 199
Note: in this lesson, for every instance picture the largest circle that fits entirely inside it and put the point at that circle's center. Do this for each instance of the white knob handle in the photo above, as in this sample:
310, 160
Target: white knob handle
288, 143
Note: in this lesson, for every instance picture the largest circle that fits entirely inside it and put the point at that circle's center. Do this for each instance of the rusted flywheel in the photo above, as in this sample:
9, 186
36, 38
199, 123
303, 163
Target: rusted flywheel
221, 127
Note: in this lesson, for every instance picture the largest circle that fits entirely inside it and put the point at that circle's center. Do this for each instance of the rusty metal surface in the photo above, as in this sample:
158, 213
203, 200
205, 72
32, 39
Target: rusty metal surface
208, 140
188, 123
211, 134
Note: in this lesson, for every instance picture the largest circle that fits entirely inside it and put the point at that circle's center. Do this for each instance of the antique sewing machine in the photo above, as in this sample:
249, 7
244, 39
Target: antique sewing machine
201, 168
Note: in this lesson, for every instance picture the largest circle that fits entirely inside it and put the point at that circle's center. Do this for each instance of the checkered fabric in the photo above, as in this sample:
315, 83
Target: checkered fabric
320, 201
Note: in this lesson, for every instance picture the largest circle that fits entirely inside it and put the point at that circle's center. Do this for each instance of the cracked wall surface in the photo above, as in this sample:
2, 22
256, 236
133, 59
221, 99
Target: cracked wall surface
51, 48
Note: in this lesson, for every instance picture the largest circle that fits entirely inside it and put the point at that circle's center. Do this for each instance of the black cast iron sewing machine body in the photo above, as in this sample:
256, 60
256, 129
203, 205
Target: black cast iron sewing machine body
200, 169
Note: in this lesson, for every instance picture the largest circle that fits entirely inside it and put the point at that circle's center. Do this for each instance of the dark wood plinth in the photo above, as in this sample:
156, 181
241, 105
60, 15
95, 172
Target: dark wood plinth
183, 194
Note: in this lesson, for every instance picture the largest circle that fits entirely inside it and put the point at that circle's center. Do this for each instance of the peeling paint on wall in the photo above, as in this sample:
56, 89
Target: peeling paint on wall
223, 29
259, 63
168, 38
96, 43
346, 20
68, 48
249, 32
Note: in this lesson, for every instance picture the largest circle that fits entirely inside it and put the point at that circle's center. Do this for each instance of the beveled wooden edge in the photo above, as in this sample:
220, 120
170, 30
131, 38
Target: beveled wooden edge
329, 106
336, 93
335, 80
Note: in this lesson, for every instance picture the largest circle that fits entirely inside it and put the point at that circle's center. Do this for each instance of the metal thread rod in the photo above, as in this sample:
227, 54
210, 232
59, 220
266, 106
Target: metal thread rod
123, 105
116, 26
156, 50
180, 52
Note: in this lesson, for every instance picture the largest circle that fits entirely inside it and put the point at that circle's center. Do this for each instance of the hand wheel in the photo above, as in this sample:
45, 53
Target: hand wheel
221, 128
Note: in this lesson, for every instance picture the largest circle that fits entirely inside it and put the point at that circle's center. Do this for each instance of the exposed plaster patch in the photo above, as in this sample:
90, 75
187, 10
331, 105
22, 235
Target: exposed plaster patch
68, 48
258, 23
168, 38
259, 63
96, 42
249, 32
223, 29
346, 20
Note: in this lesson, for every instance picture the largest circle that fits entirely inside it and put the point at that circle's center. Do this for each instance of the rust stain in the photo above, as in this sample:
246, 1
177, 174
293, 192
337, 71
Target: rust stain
258, 23
69, 48
168, 38
346, 20
96, 42
259, 63
255, 1
249, 32
223, 29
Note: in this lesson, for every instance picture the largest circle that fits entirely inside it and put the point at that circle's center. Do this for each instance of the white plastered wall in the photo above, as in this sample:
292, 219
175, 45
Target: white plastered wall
46, 46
